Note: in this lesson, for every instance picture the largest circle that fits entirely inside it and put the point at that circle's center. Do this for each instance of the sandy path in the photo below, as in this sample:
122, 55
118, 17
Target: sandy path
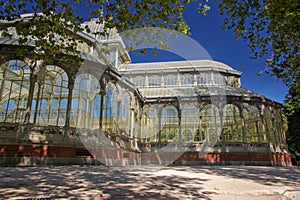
150, 182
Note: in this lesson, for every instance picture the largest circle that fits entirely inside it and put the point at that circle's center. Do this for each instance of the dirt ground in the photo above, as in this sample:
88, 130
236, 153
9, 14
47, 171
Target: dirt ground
150, 182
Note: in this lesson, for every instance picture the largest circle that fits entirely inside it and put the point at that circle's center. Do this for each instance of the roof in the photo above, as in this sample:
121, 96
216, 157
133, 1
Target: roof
198, 91
14, 41
174, 64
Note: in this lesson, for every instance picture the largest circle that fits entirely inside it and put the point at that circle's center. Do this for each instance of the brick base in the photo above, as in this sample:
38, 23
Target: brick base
33, 155
269, 159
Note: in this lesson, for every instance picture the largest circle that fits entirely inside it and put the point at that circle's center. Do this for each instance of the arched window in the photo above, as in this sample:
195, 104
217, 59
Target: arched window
154, 81
187, 79
171, 80
203, 79
139, 81
124, 115
169, 124
110, 109
190, 120
15, 81
219, 79
210, 123
232, 123
53, 88
252, 123
15, 65
149, 123
269, 126
86, 101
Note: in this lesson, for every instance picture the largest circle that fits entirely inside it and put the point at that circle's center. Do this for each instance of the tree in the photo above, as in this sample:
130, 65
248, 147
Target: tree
291, 110
52, 22
272, 29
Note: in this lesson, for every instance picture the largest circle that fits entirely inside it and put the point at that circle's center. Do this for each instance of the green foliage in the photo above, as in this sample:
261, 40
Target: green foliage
48, 28
51, 26
291, 111
272, 29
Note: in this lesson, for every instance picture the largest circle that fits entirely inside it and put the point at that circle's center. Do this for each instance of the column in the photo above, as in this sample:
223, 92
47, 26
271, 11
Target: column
131, 122
69, 103
146, 81
179, 125
221, 126
162, 84
37, 102
118, 113
22, 112
220, 109
58, 108
8, 102
200, 122
257, 131
212, 80
87, 119
264, 129
3, 84
116, 58
200, 128
159, 112
102, 93
33, 79
243, 124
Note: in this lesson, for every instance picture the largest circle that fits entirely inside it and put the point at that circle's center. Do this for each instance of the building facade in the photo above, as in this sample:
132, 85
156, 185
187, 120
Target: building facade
139, 108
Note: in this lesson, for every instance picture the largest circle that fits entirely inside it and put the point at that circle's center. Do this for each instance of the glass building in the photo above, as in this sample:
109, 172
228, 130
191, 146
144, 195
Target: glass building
45, 108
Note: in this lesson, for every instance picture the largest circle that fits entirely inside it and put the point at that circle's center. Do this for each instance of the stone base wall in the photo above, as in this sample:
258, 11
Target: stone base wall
38, 155
57, 146
26, 161
268, 159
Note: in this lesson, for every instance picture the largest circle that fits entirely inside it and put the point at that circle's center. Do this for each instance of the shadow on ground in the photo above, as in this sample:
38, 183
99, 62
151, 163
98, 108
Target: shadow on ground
266, 175
73, 182
185, 182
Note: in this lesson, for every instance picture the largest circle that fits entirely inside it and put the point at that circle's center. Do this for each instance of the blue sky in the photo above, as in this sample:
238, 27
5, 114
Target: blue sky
221, 46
